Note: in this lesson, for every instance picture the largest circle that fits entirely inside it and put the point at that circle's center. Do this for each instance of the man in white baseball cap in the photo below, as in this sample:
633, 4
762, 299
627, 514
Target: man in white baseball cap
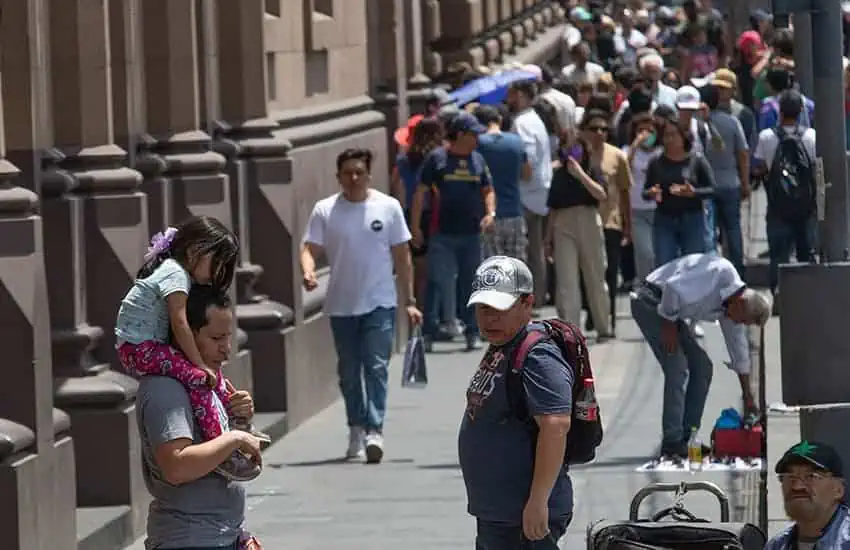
688, 99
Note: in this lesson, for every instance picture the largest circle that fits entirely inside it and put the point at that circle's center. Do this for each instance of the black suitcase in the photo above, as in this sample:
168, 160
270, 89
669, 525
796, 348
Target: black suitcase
675, 528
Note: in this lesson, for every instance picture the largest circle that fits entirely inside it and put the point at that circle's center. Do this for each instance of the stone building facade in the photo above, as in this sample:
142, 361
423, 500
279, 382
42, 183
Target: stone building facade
120, 117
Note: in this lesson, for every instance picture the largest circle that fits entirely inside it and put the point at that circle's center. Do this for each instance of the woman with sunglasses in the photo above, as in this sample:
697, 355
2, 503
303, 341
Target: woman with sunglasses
679, 181
574, 237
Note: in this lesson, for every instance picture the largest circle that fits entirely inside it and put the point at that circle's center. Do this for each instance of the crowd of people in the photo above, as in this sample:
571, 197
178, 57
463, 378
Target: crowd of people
639, 149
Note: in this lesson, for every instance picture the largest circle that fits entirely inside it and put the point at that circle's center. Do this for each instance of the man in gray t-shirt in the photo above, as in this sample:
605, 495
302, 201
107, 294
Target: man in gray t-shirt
192, 508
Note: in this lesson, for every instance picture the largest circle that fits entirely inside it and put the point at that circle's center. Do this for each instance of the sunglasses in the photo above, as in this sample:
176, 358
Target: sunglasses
597, 129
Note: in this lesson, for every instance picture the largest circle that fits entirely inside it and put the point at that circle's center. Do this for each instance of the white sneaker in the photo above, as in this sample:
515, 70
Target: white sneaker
697, 329
374, 448
356, 448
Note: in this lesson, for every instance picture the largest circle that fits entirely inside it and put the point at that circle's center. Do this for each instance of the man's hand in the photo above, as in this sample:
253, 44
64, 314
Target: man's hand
417, 239
746, 191
535, 518
669, 336
656, 193
310, 281
414, 315
549, 250
241, 404
249, 445
487, 222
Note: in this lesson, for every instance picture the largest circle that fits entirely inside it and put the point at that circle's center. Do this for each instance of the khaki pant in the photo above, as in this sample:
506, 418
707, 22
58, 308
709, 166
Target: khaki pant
536, 227
580, 248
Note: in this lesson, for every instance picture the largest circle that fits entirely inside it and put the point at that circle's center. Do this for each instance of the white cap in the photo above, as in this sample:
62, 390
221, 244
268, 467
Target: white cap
500, 281
688, 98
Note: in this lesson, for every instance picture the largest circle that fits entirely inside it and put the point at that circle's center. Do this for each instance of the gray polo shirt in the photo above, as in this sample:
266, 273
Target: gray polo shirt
724, 159
208, 512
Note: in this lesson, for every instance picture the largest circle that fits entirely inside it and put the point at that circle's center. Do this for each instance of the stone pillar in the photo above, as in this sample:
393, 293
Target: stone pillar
46, 477
95, 230
260, 172
431, 32
417, 45
460, 20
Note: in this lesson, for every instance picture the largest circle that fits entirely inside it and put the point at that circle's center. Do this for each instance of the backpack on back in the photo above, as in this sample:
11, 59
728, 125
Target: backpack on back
790, 183
585, 433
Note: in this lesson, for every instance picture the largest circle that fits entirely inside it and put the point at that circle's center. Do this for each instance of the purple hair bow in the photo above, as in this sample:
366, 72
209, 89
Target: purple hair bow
160, 243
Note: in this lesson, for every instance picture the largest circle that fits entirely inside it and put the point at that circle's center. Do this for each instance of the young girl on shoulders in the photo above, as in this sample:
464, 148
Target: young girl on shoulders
201, 250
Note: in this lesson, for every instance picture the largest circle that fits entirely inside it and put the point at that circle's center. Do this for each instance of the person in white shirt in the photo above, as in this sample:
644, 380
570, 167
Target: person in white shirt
582, 69
785, 232
651, 71
701, 287
364, 236
535, 192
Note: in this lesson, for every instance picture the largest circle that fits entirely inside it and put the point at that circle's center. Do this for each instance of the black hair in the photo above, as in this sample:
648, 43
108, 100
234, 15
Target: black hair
664, 111
197, 237
783, 43
685, 133
526, 87
710, 95
626, 76
600, 102
488, 114
507, 117
591, 114
354, 154
546, 75
779, 79
790, 104
427, 136
201, 298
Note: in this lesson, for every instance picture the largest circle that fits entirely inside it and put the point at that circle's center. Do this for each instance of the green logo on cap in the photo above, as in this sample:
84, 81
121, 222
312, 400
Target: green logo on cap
804, 448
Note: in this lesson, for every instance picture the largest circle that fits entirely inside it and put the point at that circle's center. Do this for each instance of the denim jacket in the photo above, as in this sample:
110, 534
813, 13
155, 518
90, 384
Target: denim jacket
836, 536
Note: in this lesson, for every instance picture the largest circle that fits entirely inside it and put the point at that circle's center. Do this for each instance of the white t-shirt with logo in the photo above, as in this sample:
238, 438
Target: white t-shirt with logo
357, 238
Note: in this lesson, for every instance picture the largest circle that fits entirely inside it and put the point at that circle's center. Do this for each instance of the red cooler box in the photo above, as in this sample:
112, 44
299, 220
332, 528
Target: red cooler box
738, 442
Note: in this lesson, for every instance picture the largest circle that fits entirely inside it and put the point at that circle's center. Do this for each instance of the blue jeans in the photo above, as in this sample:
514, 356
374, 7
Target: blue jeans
687, 372
782, 236
726, 213
450, 257
363, 346
500, 536
677, 236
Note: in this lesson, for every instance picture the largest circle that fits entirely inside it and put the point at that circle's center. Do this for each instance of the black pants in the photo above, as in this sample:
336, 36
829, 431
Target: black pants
499, 536
613, 238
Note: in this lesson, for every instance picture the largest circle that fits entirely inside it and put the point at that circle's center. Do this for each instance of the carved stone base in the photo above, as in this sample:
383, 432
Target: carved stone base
107, 449
19, 482
60, 473
314, 384
269, 328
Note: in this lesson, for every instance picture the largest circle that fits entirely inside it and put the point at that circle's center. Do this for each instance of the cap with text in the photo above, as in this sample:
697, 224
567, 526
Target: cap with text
499, 281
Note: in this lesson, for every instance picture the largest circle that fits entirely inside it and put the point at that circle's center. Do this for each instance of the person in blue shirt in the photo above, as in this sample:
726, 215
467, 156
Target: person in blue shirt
508, 163
466, 207
811, 474
780, 80
517, 485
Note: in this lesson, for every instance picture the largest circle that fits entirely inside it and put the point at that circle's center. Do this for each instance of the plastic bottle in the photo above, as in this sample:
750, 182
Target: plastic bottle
694, 451
586, 407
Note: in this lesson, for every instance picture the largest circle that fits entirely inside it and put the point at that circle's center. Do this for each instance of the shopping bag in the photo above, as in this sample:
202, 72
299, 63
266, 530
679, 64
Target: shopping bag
414, 374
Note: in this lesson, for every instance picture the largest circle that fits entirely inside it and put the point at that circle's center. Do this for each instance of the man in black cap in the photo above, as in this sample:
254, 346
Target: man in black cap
812, 479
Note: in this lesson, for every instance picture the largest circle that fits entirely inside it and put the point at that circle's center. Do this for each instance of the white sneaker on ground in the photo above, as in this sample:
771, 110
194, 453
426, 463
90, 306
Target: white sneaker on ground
356, 443
697, 329
374, 448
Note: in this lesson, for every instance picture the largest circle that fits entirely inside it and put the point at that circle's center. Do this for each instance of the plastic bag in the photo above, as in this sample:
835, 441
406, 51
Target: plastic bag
414, 374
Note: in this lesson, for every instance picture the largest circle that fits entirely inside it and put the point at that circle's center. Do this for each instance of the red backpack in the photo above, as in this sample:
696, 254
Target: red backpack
585, 433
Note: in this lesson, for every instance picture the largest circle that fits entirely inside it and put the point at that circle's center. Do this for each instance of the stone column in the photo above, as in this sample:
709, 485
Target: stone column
431, 32
260, 172
416, 40
95, 230
46, 477
459, 21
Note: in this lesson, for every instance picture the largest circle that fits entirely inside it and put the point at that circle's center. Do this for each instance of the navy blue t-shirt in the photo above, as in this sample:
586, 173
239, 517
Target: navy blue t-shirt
505, 157
496, 449
458, 181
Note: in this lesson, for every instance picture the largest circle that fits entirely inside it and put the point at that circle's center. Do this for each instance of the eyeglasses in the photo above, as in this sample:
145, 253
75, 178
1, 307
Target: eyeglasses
598, 129
805, 479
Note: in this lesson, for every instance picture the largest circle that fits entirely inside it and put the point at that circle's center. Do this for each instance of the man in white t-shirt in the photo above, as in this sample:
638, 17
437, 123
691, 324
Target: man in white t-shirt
785, 233
535, 192
363, 234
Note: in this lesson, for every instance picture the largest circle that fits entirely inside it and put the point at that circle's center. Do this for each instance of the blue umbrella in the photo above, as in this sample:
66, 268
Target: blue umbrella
491, 89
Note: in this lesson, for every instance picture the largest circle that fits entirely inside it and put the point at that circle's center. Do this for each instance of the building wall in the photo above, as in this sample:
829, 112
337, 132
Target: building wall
121, 117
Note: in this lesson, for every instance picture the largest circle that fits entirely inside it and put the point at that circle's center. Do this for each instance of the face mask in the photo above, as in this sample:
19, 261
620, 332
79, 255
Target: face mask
650, 141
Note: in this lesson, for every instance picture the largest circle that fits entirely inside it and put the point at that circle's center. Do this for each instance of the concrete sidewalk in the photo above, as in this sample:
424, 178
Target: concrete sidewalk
309, 499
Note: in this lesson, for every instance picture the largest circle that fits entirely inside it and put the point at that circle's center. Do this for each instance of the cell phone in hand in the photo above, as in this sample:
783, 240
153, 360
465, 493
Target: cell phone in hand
576, 152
